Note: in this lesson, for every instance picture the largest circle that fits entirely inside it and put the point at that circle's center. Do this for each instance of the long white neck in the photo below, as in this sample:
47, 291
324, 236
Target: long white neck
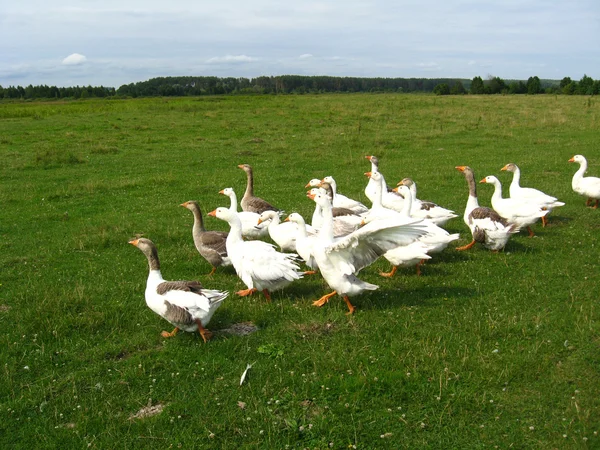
317, 217
582, 169
233, 203
301, 229
407, 205
497, 195
326, 231
516, 181
235, 232
413, 191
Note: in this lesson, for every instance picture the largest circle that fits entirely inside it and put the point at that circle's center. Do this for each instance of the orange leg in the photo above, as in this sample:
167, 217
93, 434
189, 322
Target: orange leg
350, 306
310, 272
206, 335
544, 221
596, 205
245, 292
267, 295
531, 233
324, 299
588, 201
166, 334
466, 247
419, 267
214, 269
389, 274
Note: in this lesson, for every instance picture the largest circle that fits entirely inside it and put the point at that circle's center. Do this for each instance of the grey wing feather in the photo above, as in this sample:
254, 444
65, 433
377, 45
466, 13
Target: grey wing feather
188, 286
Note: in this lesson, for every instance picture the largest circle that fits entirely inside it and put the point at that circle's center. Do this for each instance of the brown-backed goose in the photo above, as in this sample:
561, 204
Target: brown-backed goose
486, 225
249, 201
210, 244
185, 304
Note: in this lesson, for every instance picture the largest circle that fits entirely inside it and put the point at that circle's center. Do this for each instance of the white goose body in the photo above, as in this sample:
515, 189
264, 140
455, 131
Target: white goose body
339, 260
436, 239
587, 186
389, 199
517, 211
304, 241
427, 210
249, 219
185, 304
516, 191
282, 233
486, 225
341, 201
257, 263
342, 225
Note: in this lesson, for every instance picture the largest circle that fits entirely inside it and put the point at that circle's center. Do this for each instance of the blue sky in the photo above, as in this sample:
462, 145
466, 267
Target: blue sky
110, 43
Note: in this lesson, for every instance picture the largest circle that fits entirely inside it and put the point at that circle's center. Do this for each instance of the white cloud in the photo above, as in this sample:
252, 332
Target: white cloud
231, 58
74, 59
305, 56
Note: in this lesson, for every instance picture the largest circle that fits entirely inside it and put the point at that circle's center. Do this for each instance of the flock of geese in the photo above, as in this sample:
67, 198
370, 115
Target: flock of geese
344, 236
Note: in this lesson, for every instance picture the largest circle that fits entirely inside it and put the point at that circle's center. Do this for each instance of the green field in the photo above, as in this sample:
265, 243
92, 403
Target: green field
483, 350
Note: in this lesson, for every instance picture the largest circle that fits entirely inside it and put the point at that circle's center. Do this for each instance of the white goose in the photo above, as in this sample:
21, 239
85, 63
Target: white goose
426, 210
530, 194
340, 259
587, 186
282, 233
185, 304
249, 219
370, 188
343, 223
304, 241
436, 239
258, 264
519, 212
486, 225
341, 201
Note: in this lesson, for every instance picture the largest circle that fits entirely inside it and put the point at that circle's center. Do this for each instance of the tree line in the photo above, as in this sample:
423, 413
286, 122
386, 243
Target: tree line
297, 84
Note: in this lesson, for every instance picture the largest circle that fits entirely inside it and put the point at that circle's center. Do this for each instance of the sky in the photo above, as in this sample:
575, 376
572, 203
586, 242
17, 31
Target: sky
111, 43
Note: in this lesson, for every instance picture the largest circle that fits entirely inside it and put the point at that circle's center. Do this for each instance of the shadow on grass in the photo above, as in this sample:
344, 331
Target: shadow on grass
394, 298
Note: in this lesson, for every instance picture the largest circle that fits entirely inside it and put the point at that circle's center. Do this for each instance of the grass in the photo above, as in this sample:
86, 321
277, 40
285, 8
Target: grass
483, 350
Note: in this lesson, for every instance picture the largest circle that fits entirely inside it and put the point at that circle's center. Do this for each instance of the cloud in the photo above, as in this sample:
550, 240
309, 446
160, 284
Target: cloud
429, 66
305, 56
231, 58
74, 59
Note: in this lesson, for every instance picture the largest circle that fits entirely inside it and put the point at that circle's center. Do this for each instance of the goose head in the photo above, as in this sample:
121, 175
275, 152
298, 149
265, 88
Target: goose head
578, 159
222, 213
313, 183
268, 215
490, 179
296, 218
227, 191
510, 167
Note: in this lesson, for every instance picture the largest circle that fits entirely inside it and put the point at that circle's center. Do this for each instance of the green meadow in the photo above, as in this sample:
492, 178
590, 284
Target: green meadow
483, 350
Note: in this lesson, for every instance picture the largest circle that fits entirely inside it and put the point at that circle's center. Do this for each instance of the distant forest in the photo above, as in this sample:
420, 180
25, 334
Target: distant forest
297, 84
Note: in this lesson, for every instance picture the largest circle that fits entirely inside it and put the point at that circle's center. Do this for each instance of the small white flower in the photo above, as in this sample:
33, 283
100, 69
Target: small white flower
26, 368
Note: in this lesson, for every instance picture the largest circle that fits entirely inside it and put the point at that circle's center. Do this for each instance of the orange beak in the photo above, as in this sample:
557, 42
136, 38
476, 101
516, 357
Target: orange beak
505, 167
287, 219
461, 168
572, 159
213, 213
483, 181
184, 204
307, 185
241, 166
134, 242
310, 195
368, 174
222, 191
369, 157
259, 221
395, 189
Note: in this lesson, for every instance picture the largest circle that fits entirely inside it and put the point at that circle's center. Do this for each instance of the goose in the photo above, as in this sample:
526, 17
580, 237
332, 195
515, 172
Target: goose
339, 260
586, 186
516, 211
344, 221
249, 201
250, 229
535, 195
436, 239
282, 233
411, 255
337, 212
426, 210
341, 201
487, 226
370, 188
304, 241
185, 304
210, 244
257, 263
